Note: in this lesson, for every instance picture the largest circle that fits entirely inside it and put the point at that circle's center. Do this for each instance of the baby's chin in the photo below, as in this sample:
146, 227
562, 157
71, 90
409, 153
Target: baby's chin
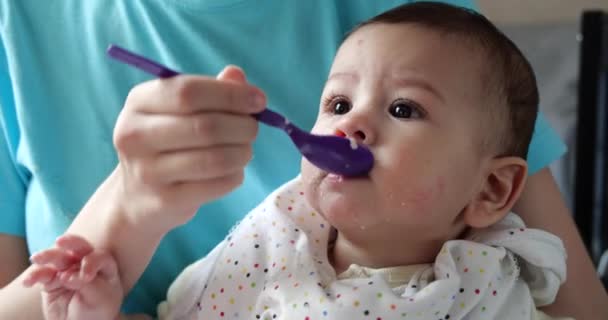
334, 203
311, 176
338, 209
311, 181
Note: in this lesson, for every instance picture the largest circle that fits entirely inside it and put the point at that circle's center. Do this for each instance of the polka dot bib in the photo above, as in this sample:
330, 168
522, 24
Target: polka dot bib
274, 265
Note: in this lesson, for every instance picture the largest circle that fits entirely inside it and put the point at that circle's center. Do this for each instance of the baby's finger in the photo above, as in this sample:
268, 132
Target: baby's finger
55, 257
47, 277
72, 279
99, 264
53, 284
39, 274
77, 245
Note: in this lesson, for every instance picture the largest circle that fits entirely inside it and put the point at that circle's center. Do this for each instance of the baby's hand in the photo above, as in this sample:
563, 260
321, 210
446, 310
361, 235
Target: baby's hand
78, 281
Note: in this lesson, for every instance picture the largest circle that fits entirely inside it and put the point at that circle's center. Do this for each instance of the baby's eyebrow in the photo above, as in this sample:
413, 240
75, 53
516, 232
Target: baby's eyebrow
420, 83
343, 75
400, 81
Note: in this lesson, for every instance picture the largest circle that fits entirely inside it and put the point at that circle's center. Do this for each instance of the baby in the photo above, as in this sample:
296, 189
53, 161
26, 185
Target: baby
447, 105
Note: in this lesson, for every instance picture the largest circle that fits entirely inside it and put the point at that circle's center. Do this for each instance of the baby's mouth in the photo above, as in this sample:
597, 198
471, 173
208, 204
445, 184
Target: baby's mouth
335, 177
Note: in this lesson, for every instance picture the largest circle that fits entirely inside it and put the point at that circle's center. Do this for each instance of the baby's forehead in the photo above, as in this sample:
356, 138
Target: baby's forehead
454, 46
405, 31
412, 47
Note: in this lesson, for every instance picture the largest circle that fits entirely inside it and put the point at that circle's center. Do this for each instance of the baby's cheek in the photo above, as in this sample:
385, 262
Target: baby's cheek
421, 199
418, 198
439, 187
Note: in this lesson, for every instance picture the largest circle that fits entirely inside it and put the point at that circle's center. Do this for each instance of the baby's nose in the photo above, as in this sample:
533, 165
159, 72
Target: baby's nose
358, 135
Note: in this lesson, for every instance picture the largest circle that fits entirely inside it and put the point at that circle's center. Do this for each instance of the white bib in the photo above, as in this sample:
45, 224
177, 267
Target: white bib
274, 265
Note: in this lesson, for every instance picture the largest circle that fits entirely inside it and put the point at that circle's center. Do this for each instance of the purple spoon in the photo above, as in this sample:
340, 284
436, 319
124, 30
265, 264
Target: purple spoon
330, 153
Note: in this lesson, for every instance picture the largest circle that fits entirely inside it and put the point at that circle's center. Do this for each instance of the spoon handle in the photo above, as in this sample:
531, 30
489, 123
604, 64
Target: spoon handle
140, 62
272, 118
267, 116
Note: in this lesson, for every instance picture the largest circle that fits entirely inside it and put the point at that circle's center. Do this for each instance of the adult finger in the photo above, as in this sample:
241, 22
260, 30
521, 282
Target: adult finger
200, 164
232, 73
187, 94
164, 133
208, 190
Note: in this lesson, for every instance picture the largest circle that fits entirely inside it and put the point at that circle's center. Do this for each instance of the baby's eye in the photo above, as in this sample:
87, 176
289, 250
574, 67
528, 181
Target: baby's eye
341, 107
405, 110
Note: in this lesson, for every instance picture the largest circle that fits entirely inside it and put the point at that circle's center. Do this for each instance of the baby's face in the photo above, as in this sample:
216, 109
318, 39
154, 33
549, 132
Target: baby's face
412, 97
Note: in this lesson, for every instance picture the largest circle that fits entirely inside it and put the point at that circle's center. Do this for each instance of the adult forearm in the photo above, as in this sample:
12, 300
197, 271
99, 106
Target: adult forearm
541, 206
105, 226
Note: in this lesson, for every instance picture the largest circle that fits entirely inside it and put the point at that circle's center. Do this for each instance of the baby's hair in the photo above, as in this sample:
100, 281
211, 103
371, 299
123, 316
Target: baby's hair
507, 76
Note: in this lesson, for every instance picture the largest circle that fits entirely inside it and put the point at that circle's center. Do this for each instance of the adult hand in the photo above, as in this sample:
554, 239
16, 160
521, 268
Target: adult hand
184, 141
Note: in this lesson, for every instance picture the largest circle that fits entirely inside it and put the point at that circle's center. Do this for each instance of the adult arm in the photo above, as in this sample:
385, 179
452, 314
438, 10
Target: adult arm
541, 206
177, 150
19, 302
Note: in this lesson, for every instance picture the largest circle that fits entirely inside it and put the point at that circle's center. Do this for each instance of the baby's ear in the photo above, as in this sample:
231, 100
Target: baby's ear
504, 182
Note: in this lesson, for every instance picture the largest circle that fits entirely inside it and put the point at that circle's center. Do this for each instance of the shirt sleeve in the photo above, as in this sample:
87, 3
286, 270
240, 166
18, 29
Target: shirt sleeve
546, 145
12, 180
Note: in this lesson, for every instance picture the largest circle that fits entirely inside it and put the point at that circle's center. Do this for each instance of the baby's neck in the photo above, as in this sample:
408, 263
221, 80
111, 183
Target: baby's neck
382, 255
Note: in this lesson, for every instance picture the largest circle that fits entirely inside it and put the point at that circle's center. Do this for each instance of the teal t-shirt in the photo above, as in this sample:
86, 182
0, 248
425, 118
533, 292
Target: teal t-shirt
60, 96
